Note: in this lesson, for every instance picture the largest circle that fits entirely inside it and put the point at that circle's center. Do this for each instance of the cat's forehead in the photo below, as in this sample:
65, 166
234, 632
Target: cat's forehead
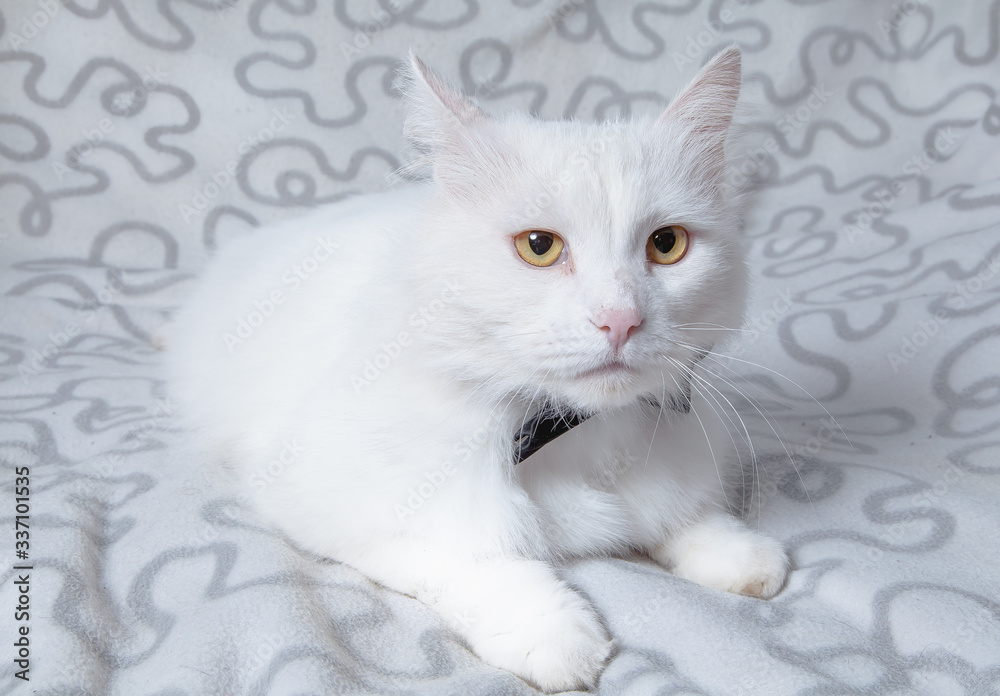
608, 174
579, 145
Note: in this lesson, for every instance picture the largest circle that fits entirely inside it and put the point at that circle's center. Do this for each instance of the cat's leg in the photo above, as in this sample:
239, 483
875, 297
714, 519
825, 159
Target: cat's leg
719, 551
514, 612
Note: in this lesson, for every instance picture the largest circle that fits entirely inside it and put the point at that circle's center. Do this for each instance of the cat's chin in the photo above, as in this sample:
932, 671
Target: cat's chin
601, 389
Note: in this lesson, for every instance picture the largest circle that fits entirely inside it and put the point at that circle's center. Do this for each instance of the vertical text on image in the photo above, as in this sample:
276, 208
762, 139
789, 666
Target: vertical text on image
22, 571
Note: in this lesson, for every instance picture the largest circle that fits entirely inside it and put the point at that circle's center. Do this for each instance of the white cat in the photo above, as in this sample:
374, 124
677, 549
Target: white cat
362, 372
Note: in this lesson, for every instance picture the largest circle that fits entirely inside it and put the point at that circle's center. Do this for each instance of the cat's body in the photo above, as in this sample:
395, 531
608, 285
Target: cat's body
361, 372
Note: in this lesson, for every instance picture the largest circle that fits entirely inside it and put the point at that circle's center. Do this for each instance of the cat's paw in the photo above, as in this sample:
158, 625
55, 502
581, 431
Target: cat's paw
558, 651
542, 631
723, 554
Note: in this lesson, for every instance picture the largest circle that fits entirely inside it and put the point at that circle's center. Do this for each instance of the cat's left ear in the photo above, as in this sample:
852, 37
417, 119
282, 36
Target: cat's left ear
439, 115
703, 110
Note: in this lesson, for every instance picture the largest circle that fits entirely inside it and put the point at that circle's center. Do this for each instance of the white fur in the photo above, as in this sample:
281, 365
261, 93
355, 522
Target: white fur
409, 476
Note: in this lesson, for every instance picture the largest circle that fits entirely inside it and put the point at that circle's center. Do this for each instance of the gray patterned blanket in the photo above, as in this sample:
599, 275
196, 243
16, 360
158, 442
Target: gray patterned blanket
136, 137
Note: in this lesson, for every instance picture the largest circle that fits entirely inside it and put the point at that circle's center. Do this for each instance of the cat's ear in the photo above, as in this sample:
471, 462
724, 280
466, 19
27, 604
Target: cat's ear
439, 117
703, 110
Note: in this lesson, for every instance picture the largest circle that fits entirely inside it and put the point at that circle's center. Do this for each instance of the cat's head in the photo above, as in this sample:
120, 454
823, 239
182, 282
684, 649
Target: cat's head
592, 262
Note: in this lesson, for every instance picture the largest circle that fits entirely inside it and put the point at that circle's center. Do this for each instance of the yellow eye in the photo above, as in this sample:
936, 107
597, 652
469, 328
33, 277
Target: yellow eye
539, 247
667, 245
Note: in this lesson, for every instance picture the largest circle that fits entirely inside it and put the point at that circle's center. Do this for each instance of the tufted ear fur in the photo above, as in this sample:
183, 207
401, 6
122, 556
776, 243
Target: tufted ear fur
447, 127
435, 106
703, 110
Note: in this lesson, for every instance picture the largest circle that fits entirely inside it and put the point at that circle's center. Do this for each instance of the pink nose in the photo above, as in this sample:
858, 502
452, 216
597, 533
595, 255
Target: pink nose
619, 323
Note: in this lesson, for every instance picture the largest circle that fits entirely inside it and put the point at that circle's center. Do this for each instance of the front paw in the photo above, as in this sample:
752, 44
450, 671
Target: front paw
565, 649
543, 632
723, 554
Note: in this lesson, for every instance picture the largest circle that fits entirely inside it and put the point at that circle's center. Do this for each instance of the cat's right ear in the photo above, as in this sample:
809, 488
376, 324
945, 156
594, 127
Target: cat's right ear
704, 109
439, 117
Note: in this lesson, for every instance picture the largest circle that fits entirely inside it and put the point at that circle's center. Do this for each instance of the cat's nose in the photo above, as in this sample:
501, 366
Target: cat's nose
619, 325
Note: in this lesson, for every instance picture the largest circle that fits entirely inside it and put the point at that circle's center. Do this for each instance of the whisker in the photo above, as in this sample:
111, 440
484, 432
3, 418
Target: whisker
754, 461
659, 413
780, 439
708, 441
745, 434
719, 412
691, 374
778, 374
708, 326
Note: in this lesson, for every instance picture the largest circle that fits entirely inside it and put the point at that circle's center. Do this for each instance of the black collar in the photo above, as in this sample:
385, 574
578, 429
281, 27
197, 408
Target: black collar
544, 427
550, 421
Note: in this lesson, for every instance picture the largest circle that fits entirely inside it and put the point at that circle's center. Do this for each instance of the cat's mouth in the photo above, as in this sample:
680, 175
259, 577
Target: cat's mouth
612, 368
612, 383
